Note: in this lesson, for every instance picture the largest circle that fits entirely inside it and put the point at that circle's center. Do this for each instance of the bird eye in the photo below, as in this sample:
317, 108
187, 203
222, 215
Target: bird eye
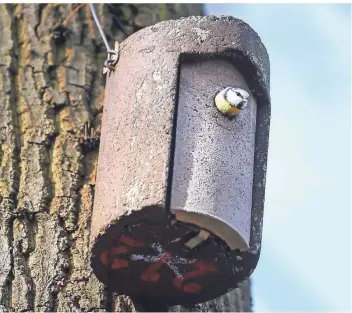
238, 94
240, 105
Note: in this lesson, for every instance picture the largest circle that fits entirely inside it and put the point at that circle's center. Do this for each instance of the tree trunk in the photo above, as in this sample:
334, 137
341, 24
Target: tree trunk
51, 104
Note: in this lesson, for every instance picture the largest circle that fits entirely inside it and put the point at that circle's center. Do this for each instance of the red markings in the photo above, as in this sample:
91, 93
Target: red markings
151, 273
104, 257
177, 282
129, 241
119, 250
202, 269
192, 288
107, 255
117, 264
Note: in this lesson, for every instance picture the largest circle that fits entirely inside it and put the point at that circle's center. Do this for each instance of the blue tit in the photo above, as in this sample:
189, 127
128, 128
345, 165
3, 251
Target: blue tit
231, 101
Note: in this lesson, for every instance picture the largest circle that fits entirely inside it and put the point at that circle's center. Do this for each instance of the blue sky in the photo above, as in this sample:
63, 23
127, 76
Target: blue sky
306, 248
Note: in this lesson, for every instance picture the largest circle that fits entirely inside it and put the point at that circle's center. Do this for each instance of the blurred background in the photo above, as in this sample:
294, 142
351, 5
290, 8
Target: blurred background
305, 262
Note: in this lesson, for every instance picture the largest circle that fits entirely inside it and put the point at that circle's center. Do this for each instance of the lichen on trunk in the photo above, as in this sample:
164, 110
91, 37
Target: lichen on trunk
51, 104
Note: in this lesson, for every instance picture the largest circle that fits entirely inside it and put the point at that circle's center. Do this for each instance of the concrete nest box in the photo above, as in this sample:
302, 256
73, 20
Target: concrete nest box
181, 172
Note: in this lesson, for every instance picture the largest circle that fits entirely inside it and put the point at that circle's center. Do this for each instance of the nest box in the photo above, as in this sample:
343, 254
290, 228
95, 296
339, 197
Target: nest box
180, 184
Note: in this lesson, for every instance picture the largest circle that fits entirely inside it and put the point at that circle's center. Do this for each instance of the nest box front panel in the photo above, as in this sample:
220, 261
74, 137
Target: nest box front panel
214, 154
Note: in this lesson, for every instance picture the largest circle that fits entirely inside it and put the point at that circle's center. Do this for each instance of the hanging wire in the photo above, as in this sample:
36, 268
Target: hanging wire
99, 27
113, 54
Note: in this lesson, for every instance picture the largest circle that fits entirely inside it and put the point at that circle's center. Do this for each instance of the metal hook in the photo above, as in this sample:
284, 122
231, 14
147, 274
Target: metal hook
113, 55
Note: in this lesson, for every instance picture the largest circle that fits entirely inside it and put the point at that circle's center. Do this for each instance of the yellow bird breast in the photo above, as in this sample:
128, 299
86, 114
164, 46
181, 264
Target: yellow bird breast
224, 107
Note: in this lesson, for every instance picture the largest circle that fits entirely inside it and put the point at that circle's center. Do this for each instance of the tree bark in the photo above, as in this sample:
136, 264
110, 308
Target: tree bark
51, 104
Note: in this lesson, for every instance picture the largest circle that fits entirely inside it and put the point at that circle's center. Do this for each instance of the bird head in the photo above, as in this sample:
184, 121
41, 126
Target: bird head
237, 97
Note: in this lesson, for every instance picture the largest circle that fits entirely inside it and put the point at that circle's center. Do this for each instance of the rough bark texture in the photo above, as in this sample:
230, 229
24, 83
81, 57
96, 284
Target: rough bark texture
51, 101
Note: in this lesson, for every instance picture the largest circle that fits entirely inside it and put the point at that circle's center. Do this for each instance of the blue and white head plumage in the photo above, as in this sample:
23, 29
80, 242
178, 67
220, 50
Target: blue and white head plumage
236, 97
